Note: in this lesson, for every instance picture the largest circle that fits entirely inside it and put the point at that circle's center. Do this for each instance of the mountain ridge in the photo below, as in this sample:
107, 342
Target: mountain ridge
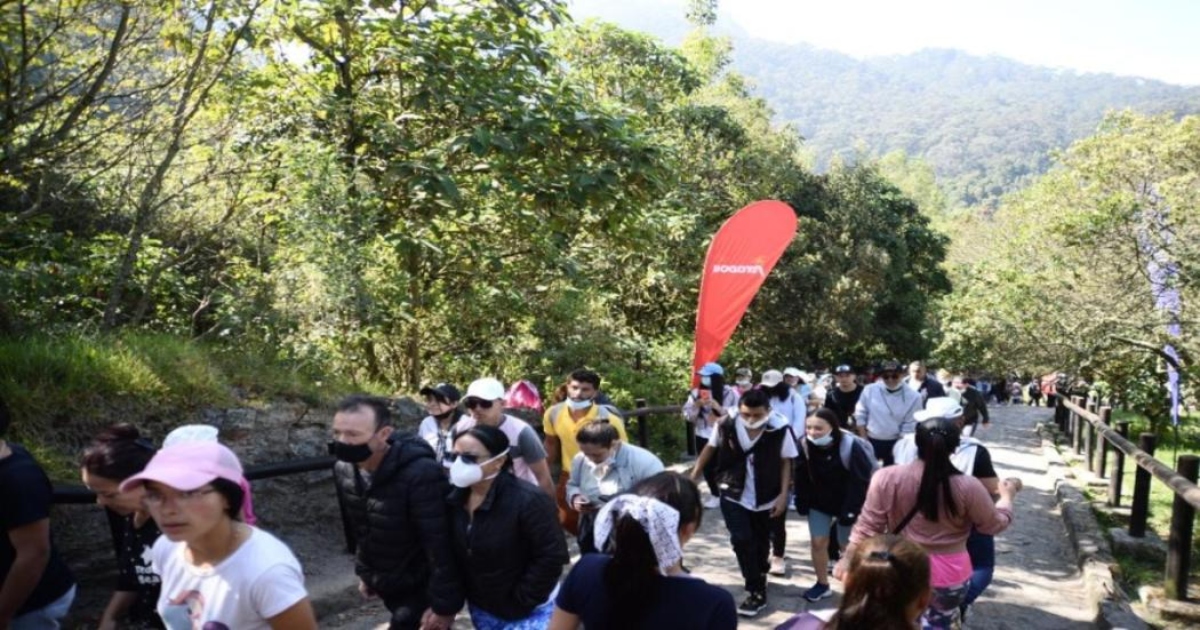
986, 124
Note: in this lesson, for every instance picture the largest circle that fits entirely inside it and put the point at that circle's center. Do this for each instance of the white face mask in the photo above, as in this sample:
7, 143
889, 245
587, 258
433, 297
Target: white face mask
824, 440
465, 475
756, 425
743, 382
579, 405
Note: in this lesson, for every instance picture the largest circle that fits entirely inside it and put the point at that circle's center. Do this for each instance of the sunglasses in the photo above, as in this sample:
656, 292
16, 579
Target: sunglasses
890, 375
469, 458
478, 403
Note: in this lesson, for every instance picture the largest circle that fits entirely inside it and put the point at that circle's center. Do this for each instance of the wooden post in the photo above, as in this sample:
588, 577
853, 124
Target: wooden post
1140, 510
643, 422
1179, 545
1118, 476
1075, 428
1102, 464
1089, 444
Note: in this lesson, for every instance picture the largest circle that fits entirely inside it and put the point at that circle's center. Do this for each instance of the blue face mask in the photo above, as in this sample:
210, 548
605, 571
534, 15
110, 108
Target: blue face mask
706, 381
824, 440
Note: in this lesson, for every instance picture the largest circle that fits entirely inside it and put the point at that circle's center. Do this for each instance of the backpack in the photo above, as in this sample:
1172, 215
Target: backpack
846, 449
1035, 390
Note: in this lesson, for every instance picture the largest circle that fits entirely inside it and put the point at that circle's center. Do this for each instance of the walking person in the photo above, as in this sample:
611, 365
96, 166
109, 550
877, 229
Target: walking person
754, 449
843, 397
743, 380
36, 587
1035, 392
930, 502
562, 422
700, 411
394, 490
217, 572
605, 467
116, 454
508, 543
833, 470
920, 381
973, 459
885, 411
641, 585
974, 407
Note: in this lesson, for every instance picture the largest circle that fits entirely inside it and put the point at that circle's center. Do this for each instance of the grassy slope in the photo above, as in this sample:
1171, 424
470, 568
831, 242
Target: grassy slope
62, 389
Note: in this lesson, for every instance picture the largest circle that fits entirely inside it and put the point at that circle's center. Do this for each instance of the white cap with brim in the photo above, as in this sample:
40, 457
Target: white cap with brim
771, 378
486, 389
940, 407
793, 372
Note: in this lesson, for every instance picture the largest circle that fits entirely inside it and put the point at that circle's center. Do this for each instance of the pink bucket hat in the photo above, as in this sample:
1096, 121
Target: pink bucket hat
188, 466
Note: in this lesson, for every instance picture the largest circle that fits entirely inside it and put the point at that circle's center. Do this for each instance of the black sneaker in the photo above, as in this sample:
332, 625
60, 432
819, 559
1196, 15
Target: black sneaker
753, 604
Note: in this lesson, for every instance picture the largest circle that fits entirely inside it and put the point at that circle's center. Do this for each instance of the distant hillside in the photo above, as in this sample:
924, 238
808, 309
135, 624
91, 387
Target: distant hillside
985, 124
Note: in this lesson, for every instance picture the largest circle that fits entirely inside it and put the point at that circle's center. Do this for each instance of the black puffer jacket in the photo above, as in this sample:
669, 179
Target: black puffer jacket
399, 517
514, 553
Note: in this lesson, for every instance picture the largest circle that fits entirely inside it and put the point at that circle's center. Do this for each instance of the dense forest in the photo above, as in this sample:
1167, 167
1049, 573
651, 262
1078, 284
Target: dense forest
987, 125
382, 195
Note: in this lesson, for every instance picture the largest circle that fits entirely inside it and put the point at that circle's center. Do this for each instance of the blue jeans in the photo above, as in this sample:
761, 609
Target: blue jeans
982, 549
46, 617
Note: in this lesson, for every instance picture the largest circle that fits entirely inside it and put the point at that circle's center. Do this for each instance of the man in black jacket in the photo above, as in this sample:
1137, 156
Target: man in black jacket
395, 494
923, 383
974, 406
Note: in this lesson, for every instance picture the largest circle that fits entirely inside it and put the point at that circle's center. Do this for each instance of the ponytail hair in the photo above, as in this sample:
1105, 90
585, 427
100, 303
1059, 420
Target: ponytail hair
887, 575
117, 453
937, 438
632, 579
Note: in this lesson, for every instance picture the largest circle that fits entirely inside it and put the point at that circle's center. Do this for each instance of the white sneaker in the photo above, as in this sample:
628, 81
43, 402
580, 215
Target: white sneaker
778, 566
711, 503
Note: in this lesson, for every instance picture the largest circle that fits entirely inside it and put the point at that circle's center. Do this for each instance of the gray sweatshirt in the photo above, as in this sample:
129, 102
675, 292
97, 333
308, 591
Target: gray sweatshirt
886, 415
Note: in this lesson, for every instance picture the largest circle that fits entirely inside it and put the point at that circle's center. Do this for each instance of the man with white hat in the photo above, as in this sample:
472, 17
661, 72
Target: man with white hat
485, 405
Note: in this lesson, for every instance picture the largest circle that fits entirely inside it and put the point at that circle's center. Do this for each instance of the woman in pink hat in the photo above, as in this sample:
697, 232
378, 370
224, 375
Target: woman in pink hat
217, 572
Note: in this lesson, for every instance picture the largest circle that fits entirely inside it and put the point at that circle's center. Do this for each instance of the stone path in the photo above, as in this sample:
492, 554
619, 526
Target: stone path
1036, 585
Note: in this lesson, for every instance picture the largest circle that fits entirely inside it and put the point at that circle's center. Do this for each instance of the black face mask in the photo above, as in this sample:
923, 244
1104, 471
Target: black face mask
443, 416
350, 453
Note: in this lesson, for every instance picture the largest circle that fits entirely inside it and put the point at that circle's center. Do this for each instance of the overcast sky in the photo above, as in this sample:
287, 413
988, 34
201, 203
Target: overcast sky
1150, 38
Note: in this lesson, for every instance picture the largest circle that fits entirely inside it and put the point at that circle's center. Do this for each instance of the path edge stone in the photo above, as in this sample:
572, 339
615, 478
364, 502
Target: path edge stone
1093, 552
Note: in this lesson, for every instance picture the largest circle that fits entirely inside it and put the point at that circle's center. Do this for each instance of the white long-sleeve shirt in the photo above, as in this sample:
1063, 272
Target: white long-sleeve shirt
887, 415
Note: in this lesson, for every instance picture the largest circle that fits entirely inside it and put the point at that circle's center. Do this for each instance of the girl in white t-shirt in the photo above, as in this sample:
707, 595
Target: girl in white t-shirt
217, 572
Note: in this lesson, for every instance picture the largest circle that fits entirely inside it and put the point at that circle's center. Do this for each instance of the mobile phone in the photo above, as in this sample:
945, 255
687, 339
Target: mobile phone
705, 394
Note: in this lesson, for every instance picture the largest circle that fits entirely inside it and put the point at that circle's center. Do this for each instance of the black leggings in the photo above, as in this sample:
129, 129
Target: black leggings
710, 469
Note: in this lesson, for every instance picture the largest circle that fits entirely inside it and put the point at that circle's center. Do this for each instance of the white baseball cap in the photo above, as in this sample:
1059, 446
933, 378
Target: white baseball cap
771, 378
793, 372
940, 407
486, 389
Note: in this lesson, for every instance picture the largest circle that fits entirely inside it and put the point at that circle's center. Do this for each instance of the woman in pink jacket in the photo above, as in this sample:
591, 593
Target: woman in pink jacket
931, 503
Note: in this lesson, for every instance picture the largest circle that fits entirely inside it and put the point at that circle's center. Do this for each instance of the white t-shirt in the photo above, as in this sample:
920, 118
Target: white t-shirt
260, 580
776, 422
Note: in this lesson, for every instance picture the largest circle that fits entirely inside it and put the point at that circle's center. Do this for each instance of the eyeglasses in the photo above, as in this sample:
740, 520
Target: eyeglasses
153, 498
473, 403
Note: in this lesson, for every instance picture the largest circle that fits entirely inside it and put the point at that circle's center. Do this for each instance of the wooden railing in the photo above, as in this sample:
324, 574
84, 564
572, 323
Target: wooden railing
1091, 436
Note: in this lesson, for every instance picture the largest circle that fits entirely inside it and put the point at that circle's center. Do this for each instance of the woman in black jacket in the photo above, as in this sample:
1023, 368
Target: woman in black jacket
832, 474
507, 540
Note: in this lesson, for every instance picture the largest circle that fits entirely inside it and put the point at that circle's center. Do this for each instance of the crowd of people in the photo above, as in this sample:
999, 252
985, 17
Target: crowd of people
473, 510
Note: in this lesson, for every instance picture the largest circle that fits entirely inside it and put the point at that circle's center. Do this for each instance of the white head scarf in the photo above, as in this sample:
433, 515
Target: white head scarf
660, 521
